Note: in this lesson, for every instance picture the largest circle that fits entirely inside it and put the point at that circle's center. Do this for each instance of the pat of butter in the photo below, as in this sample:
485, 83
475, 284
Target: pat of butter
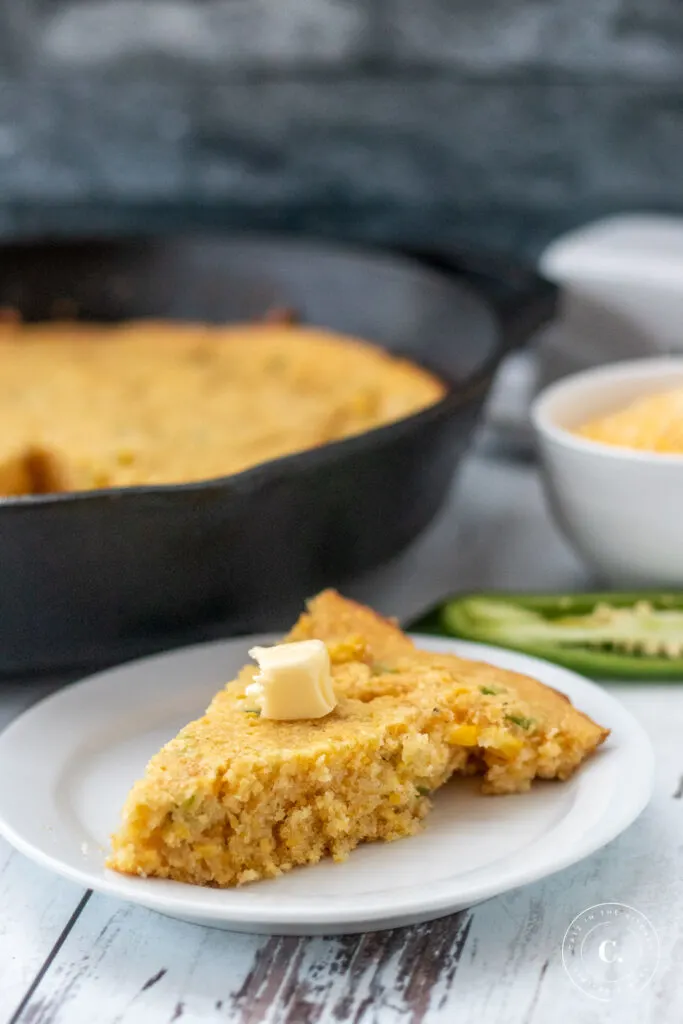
294, 681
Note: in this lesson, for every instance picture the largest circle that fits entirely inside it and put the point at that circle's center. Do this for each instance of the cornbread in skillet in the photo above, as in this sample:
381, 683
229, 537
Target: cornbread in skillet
653, 423
235, 798
86, 406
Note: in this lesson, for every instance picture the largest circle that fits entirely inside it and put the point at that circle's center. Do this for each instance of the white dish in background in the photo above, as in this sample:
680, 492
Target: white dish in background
95, 737
621, 292
621, 508
621, 297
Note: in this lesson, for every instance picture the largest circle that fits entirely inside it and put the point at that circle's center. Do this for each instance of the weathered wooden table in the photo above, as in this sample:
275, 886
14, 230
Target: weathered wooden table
78, 958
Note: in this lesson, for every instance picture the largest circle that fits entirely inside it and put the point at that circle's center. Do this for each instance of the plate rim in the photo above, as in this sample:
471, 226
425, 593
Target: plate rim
416, 904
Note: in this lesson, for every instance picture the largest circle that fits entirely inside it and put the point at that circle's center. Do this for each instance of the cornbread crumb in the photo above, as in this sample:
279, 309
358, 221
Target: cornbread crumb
233, 798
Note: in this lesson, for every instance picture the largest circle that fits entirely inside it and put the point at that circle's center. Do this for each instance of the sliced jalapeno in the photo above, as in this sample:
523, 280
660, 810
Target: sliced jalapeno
609, 635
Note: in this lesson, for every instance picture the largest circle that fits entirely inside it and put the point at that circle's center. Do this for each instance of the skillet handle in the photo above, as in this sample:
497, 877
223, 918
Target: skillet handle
522, 300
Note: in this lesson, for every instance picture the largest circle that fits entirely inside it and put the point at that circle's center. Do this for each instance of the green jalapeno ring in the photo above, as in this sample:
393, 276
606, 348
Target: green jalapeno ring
547, 625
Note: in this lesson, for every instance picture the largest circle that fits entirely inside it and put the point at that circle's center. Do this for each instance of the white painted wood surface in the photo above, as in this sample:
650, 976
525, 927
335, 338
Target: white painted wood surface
70, 957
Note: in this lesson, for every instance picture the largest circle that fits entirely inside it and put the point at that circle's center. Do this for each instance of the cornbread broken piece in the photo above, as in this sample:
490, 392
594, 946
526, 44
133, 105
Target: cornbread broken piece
235, 797
524, 728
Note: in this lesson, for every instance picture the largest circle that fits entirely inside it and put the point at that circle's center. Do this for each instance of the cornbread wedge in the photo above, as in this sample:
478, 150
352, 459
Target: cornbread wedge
235, 798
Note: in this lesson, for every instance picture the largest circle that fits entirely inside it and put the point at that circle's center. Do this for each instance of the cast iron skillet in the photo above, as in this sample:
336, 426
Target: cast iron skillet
90, 578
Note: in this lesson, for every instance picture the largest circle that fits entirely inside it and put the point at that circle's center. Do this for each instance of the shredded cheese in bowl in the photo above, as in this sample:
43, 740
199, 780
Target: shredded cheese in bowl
653, 423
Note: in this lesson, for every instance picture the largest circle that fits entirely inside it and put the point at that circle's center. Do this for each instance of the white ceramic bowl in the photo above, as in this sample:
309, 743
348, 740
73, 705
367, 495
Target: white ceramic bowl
622, 509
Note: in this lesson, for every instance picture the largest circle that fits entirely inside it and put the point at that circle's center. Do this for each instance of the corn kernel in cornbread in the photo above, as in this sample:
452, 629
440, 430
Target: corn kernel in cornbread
653, 423
235, 798
86, 406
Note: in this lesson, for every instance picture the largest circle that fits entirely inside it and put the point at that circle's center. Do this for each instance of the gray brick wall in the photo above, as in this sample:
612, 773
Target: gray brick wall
492, 121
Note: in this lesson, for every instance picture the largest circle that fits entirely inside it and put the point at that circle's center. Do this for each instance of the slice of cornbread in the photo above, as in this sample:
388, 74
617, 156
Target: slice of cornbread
234, 798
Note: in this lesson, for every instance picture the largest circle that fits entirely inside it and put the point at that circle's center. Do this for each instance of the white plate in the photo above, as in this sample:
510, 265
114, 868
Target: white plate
69, 761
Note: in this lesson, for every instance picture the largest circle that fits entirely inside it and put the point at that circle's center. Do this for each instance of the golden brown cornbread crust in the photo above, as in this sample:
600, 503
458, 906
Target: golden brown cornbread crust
87, 406
234, 798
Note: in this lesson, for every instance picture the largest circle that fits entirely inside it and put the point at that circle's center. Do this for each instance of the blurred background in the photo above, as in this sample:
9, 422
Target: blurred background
483, 132
497, 123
